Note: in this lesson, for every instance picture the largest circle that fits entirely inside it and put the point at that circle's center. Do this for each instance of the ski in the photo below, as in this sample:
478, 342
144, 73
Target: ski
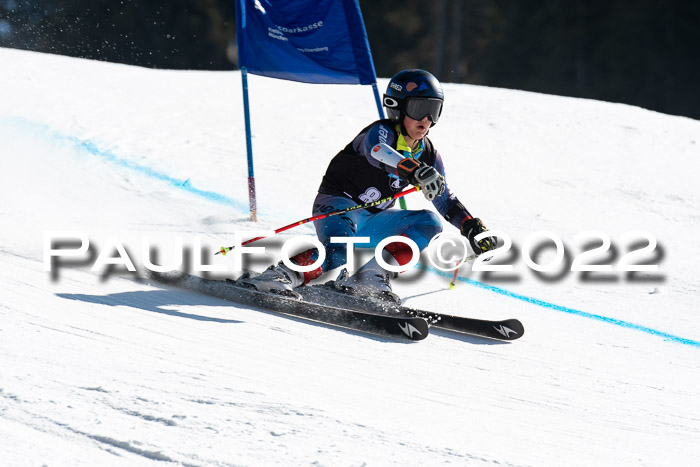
404, 326
507, 330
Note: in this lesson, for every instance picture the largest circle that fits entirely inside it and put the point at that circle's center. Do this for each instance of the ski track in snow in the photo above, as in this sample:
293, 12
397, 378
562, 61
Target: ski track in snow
185, 185
100, 369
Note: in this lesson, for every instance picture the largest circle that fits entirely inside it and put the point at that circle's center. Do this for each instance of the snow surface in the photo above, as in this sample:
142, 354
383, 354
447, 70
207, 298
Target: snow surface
97, 368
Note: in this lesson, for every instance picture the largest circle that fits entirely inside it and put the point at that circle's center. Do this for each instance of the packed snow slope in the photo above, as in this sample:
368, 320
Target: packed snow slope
98, 368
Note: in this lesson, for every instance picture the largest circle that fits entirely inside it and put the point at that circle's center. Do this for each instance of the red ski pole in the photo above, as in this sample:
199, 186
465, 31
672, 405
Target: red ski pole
453, 284
225, 250
468, 259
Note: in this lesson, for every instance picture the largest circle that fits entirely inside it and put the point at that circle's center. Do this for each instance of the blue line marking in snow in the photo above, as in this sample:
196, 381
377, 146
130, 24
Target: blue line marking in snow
93, 149
185, 185
572, 311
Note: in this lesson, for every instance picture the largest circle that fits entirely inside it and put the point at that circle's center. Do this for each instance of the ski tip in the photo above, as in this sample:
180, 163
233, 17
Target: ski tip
415, 329
517, 325
510, 329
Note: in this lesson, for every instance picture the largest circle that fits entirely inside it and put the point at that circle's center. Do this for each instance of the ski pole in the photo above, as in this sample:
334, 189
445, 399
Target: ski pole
453, 284
225, 250
468, 259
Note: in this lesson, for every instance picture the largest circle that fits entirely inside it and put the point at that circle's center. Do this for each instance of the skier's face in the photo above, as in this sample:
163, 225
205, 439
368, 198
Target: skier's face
416, 129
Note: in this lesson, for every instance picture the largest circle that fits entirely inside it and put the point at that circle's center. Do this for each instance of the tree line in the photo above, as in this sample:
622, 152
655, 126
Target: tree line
644, 53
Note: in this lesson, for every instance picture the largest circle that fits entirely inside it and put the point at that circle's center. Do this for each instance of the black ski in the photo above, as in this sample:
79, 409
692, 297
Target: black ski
401, 326
508, 329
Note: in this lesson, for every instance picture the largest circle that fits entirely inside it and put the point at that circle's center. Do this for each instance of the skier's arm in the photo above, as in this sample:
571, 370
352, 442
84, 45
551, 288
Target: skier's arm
431, 183
447, 203
413, 171
365, 142
457, 214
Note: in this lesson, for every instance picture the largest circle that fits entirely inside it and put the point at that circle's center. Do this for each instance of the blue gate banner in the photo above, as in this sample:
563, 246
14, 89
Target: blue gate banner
312, 41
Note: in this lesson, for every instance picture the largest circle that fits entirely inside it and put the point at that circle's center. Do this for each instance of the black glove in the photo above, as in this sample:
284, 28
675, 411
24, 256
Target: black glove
471, 227
431, 183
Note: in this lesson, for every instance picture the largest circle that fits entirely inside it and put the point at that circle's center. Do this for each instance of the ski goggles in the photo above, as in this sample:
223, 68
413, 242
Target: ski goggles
420, 107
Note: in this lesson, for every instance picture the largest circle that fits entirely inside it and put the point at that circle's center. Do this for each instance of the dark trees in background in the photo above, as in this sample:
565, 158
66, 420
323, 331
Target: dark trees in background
180, 34
644, 53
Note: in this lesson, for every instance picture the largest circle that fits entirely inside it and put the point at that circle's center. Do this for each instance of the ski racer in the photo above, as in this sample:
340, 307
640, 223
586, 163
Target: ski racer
413, 100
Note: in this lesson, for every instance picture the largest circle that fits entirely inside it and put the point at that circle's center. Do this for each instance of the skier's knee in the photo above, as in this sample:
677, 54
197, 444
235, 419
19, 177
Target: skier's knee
430, 223
424, 226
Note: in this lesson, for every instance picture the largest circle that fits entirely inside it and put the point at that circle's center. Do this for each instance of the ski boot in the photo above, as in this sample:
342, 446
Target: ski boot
370, 280
277, 279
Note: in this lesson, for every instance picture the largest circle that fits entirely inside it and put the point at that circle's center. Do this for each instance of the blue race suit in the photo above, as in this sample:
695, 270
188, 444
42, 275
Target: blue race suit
355, 177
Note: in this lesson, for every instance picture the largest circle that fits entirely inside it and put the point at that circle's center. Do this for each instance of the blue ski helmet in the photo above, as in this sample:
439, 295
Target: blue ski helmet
415, 93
